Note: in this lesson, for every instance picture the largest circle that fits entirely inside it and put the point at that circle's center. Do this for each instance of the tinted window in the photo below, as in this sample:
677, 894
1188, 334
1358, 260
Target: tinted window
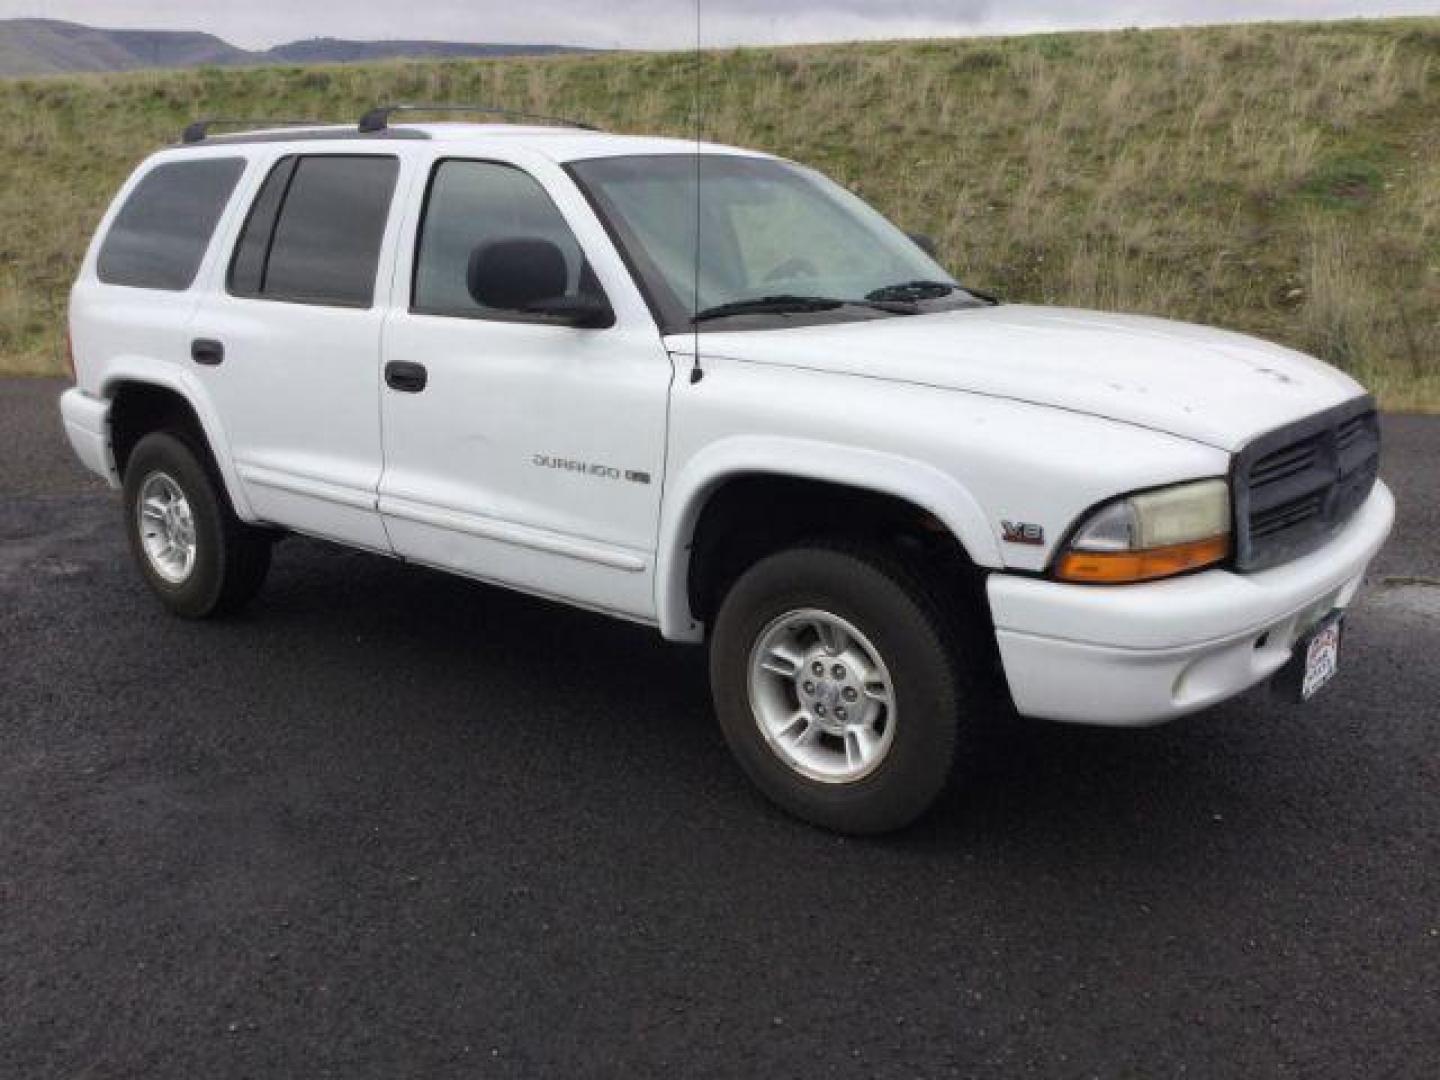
323, 245
476, 202
247, 270
161, 233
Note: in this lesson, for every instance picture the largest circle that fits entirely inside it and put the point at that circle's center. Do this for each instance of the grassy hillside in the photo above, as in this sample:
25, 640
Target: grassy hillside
1283, 180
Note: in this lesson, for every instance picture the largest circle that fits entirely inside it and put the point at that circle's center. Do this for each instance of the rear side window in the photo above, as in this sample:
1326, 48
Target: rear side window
160, 235
315, 230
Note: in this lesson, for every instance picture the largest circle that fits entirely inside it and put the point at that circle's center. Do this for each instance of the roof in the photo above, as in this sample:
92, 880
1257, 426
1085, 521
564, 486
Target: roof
559, 143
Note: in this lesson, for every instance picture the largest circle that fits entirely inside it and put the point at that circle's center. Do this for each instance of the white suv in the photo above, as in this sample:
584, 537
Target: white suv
754, 414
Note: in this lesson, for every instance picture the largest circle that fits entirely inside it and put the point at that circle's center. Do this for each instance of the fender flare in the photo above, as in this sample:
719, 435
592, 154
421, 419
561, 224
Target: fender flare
140, 369
917, 482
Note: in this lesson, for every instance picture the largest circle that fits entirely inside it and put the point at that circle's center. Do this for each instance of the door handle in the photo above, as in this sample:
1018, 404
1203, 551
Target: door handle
207, 351
406, 377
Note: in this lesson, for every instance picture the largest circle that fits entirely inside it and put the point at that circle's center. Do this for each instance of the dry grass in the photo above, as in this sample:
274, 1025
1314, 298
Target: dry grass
1283, 180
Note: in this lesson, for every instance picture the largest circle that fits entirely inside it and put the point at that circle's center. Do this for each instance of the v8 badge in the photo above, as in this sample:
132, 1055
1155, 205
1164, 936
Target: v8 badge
1022, 532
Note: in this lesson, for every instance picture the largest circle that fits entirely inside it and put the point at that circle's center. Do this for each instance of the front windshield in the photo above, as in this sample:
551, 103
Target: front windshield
769, 232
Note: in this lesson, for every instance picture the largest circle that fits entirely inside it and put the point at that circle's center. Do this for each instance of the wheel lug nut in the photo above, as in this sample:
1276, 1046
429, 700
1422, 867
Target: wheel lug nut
819, 710
851, 694
838, 671
840, 712
809, 687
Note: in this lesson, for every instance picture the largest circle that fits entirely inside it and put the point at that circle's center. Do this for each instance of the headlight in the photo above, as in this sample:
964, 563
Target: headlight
1151, 535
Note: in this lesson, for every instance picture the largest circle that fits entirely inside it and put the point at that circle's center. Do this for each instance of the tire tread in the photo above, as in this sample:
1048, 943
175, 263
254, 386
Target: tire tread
228, 582
881, 576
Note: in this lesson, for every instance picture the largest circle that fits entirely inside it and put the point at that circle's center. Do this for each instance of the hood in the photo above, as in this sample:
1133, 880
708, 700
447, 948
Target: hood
1213, 386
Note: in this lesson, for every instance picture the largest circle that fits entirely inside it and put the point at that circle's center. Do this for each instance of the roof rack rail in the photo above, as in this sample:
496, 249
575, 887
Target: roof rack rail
199, 131
378, 119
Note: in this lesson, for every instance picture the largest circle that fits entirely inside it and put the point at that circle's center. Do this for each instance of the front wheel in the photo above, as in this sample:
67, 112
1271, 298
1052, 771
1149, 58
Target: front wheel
838, 687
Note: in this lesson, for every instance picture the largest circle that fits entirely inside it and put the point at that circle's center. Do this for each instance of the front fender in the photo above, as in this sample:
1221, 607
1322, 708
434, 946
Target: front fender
687, 492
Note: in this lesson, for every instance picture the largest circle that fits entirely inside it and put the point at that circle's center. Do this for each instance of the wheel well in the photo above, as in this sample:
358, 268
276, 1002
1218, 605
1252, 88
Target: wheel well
753, 516
137, 409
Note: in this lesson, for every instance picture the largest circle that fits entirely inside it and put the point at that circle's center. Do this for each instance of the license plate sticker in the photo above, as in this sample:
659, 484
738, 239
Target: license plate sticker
1322, 659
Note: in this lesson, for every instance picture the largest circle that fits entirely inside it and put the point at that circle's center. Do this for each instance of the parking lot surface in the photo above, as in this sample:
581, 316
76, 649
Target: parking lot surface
390, 823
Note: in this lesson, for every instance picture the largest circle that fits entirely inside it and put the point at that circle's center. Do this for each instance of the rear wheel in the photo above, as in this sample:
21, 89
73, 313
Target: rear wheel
839, 687
192, 550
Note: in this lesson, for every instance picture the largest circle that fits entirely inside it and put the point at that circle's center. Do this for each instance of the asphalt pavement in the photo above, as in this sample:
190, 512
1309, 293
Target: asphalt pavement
390, 823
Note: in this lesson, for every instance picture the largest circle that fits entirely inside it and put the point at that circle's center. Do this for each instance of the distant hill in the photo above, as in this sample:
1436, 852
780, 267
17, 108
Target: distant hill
45, 46
50, 47
338, 51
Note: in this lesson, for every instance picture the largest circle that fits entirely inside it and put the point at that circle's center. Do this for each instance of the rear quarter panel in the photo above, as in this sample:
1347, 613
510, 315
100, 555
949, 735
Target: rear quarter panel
121, 334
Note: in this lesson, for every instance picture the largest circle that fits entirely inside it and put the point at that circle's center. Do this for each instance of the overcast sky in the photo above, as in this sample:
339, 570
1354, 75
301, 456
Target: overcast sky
671, 23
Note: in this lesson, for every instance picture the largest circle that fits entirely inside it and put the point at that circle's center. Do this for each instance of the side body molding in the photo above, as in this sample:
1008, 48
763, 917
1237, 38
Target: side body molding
805, 459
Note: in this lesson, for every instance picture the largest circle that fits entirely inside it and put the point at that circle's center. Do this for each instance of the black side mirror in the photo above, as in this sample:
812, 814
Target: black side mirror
582, 312
925, 243
529, 275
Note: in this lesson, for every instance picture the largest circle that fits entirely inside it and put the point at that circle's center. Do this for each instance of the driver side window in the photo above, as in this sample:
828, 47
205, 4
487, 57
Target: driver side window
472, 206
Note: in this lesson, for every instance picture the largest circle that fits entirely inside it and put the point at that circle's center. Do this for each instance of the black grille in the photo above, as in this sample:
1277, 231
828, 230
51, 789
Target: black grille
1295, 487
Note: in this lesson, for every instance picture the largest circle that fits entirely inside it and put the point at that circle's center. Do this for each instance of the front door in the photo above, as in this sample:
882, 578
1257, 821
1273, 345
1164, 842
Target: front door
518, 450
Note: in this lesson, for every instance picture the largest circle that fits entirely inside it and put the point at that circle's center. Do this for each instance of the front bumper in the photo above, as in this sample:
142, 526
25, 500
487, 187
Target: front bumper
1144, 654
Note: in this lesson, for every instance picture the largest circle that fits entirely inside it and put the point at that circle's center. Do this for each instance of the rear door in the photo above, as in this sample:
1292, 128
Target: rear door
532, 453
287, 340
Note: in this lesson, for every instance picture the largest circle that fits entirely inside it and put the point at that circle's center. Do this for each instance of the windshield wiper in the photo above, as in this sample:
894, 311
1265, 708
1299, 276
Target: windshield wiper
786, 303
922, 289
912, 290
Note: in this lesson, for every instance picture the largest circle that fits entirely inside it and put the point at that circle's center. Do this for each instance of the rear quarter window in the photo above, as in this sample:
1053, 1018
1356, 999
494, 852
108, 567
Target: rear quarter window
159, 237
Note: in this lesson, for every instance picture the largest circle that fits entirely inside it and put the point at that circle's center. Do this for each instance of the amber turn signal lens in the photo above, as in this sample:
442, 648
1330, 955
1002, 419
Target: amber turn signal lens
1117, 567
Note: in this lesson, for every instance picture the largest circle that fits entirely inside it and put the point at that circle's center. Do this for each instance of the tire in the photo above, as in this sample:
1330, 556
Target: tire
227, 560
921, 695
